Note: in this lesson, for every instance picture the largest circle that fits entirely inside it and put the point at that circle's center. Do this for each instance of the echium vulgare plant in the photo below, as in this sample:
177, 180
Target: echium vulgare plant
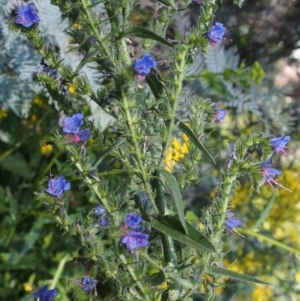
139, 224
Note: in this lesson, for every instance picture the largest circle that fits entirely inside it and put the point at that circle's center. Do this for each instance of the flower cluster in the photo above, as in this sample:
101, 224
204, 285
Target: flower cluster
71, 126
27, 16
176, 152
44, 294
133, 237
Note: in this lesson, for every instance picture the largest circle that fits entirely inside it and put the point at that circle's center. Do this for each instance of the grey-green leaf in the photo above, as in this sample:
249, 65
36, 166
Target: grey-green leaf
192, 136
107, 152
88, 56
235, 275
174, 189
143, 33
155, 84
172, 227
32, 236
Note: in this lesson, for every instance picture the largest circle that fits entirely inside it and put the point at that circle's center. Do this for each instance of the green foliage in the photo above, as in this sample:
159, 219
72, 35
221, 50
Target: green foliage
123, 168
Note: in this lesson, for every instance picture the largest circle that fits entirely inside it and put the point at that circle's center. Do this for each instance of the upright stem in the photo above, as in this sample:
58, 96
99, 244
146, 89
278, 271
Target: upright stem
137, 152
179, 71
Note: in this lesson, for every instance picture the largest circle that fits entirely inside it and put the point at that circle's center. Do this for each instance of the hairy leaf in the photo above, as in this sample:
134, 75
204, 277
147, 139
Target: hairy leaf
172, 227
143, 33
174, 189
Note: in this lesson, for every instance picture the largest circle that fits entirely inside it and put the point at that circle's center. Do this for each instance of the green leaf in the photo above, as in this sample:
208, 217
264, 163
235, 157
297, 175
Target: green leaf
155, 84
107, 152
32, 236
174, 189
143, 33
192, 136
235, 275
183, 282
86, 59
157, 279
172, 227
16, 164
213, 81
165, 2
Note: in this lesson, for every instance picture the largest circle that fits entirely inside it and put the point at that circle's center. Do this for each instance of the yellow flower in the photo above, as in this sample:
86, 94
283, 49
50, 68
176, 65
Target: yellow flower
72, 89
262, 293
176, 152
3, 113
77, 26
38, 101
27, 287
46, 149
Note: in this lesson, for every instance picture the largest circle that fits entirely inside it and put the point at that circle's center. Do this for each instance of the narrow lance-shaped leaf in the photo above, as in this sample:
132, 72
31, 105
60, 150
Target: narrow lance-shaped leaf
174, 189
192, 136
235, 275
155, 84
107, 152
172, 227
143, 33
86, 59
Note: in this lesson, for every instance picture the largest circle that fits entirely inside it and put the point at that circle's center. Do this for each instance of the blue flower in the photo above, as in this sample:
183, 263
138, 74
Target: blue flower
231, 221
57, 186
269, 174
103, 222
99, 210
145, 200
219, 114
88, 284
43, 294
84, 134
133, 220
279, 144
134, 240
216, 33
71, 125
143, 66
27, 15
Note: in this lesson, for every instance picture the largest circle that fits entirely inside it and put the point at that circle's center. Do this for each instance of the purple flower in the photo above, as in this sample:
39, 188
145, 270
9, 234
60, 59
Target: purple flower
43, 294
145, 200
27, 15
71, 125
143, 66
99, 210
84, 134
133, 220
57, 186
279, 144
231, 221
215, 34
134, 240
52, 72
88, 284
103, 222
269, 174
219, 114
